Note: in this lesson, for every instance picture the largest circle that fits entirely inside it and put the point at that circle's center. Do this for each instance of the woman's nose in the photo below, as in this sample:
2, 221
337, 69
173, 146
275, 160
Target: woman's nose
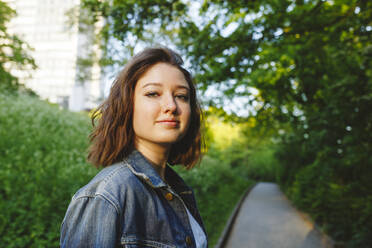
169, 104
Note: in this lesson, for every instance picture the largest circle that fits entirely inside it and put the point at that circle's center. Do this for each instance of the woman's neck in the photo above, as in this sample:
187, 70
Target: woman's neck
156, 155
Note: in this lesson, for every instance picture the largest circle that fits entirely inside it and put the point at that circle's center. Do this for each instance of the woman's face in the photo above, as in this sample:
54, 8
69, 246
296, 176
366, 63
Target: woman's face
162, 110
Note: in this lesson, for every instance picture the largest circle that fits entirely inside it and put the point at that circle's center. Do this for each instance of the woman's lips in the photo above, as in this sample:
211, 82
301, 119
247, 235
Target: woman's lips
170, 123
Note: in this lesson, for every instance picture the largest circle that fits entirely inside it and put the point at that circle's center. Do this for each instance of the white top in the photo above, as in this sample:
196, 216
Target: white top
199, 235
197, 231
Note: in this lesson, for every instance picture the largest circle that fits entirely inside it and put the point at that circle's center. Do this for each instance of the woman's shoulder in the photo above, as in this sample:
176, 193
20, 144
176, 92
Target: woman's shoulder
112, 183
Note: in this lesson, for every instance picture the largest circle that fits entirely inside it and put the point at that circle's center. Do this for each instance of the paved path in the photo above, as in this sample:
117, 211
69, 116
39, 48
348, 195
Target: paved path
266, 219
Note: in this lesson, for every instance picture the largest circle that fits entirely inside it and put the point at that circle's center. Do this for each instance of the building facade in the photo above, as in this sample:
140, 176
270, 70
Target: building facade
57, 46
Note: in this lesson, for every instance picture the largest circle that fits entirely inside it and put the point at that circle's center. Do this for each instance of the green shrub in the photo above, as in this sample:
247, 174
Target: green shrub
261, 164
244, 145
332, 186
256, 163
218, 187
42, 164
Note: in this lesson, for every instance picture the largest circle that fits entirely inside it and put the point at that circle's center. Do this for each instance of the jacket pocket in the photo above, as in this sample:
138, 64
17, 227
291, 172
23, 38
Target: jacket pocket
134, 242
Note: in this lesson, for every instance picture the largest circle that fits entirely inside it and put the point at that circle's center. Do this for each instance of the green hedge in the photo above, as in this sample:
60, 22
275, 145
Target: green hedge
333, 187
218, 188
42, 164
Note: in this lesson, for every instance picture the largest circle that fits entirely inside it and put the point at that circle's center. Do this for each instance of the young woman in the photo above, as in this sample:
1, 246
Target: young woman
150, 120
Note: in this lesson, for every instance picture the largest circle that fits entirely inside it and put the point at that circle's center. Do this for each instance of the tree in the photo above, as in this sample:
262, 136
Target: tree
310, 65
13, 51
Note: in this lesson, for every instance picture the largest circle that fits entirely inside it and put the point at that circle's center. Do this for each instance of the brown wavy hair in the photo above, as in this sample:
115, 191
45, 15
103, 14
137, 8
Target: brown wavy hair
112, 139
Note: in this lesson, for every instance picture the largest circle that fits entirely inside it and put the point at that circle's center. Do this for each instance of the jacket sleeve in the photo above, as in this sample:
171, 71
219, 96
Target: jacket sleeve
90, 222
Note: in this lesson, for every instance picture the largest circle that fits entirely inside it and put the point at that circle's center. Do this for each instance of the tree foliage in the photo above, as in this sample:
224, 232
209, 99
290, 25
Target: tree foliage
13, 51
310, 65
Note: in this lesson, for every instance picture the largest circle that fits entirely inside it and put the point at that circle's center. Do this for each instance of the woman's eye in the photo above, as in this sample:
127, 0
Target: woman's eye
183, 97
151, 94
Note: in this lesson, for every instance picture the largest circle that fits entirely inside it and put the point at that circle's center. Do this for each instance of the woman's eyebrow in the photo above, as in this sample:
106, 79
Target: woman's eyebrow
183, 87
159, 84
154, 84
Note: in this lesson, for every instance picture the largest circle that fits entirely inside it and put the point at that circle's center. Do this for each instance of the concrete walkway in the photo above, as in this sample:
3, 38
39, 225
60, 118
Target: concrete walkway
266, 219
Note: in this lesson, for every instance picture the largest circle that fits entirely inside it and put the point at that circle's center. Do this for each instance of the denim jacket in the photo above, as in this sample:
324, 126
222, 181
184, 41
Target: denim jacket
128, 205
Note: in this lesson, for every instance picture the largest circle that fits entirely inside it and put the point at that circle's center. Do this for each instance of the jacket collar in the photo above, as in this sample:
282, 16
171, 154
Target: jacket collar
142, 168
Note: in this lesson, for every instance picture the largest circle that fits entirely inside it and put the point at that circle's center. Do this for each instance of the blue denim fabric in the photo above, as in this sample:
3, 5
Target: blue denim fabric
124, 205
